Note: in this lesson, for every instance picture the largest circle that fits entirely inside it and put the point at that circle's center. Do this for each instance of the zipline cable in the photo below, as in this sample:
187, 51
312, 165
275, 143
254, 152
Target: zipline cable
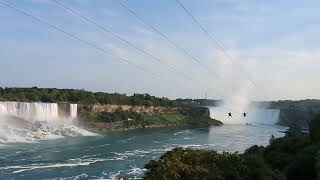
108, 30
131, 11
22, 12
211, 39
167, 38
77, 38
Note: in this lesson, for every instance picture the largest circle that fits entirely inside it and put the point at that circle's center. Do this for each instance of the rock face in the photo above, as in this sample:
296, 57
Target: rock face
102, 118
137, 109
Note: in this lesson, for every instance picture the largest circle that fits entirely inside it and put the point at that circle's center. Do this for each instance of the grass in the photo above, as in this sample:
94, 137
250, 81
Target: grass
171, 117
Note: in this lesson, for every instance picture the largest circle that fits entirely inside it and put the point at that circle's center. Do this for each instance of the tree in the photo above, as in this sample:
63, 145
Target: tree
47, 98
314, 128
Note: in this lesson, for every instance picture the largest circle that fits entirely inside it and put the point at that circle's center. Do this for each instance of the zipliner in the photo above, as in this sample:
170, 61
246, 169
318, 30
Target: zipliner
244, 114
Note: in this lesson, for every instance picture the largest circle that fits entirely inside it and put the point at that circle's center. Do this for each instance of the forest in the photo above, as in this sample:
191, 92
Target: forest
80, 96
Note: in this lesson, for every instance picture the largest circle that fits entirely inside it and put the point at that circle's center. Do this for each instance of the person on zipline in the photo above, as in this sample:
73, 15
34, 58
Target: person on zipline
229, 114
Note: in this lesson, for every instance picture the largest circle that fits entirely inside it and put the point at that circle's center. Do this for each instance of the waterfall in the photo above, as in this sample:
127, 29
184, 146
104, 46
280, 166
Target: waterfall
34, 111
254, 116
73, 110
264, 116
29, 121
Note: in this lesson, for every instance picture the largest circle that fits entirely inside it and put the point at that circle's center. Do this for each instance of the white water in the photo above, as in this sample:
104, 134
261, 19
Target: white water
253, 116
26, 122
35, 111
237, 100
73, 110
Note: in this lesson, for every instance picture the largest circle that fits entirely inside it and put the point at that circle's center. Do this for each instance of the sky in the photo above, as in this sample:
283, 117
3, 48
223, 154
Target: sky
272, 48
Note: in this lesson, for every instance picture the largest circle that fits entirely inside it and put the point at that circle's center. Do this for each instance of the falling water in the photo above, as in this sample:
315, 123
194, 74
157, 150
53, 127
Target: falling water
28, 121
25, 110
253, 116
73, 110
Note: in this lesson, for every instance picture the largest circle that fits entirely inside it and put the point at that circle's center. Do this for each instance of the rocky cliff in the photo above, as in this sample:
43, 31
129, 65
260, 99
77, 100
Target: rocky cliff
102, 118
110, 108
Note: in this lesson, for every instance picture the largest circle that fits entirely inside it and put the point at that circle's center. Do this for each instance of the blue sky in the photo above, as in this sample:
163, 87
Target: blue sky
272, 43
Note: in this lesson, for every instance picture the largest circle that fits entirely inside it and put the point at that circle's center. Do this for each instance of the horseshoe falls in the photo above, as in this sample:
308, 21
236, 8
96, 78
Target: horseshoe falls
253, 116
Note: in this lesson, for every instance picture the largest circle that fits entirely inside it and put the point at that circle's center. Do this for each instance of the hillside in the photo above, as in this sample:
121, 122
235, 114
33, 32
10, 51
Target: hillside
101, 118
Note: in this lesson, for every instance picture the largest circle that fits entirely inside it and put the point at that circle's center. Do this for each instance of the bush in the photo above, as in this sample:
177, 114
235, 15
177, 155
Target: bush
183, 163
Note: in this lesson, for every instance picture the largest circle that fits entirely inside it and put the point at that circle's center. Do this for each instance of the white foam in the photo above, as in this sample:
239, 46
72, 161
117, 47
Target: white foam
182, 132
71, 163
80, 176
135, 171
113, 175
28, 122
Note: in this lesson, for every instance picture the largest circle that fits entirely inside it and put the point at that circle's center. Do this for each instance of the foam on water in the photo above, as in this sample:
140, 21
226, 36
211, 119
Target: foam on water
135, 171
106, 157
70, 163
30, 121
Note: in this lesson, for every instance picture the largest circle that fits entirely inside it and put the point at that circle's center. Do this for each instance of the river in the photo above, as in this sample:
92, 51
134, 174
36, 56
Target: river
120, 153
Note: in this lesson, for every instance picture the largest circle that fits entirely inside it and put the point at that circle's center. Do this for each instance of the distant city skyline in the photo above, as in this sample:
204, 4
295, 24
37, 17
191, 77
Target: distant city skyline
271, 43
